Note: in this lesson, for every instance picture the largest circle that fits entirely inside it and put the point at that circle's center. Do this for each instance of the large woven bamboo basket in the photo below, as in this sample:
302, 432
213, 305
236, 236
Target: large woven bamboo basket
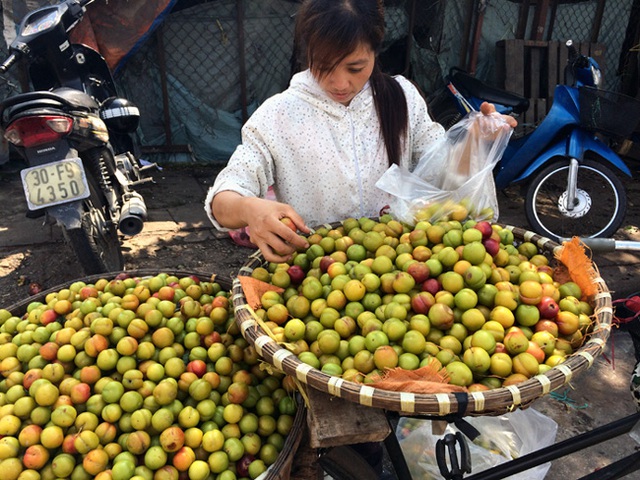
491, 402
282, 467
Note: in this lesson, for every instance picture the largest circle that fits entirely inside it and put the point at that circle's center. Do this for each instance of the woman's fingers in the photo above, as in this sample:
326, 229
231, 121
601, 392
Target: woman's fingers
272, 246
489, 108
276, 235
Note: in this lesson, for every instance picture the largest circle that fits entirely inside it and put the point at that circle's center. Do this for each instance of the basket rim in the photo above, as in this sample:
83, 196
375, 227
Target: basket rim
492, 402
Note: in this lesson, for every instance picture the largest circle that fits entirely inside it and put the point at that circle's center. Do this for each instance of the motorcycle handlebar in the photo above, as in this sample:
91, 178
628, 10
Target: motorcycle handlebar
8, 63
573, 53
576, 59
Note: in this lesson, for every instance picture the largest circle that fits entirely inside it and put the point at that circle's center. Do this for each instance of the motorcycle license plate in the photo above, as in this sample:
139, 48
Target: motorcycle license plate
54, 183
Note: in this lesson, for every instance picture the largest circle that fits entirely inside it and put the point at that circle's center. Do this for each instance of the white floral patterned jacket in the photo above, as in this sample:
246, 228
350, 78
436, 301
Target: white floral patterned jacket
321, 157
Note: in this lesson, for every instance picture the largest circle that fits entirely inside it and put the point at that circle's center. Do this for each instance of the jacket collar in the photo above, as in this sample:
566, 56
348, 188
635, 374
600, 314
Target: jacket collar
304, 86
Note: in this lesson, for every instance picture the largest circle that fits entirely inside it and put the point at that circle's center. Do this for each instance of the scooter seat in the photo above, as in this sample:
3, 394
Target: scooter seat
45, 106
77, 99
470, 85
65, 99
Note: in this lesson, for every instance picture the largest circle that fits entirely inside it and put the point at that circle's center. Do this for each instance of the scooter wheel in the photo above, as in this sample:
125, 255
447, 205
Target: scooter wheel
96, 243
598, 210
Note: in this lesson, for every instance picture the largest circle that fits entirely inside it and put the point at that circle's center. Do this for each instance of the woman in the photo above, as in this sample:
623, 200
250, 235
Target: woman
325, 141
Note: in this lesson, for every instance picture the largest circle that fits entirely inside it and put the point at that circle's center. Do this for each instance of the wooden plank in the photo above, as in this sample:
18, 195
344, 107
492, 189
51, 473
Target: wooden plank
501, 71
539, 68
514, 66
335, 421
563, 58
535, 71
536, 43
536, 54
541, 110
554, 70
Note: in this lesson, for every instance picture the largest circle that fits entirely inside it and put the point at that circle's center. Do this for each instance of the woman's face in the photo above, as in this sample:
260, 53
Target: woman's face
350, 75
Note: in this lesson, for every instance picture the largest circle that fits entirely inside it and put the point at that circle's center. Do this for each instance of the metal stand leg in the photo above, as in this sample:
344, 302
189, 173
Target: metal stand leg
394, 450
616, 470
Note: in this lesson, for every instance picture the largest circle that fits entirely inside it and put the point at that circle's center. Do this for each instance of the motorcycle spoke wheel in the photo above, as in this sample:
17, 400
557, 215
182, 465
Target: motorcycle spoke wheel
598, 210
96, 242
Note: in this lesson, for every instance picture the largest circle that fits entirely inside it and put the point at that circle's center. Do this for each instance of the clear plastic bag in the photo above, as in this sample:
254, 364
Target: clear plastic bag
454, 178
502, 438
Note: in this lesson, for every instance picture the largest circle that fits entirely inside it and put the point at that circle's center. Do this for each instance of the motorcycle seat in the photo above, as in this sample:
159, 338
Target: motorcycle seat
77, 99
32, 107
65, 99
472, 86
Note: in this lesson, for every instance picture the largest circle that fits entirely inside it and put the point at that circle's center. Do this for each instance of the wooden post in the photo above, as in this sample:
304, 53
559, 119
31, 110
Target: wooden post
514, 58
539, 19
554, 68
168, 147
523, 16
552, 18
241, 59
597, 21
412, 21
481, 7
466, 35
163, 85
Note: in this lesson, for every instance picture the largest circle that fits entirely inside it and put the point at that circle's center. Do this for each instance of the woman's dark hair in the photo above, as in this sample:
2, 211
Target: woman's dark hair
327, 31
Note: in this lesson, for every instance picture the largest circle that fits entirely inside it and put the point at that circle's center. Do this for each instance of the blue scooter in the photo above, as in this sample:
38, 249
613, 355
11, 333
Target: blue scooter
566, 169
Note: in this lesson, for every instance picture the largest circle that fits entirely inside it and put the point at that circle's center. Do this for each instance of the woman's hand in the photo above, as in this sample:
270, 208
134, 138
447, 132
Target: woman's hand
489, 108
277, 240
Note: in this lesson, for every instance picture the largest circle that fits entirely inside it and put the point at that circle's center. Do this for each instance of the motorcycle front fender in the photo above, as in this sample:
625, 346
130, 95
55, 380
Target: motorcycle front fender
67, 215
575, 149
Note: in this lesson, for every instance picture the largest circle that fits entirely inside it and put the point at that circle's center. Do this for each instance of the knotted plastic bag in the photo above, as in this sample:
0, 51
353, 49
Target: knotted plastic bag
453, 178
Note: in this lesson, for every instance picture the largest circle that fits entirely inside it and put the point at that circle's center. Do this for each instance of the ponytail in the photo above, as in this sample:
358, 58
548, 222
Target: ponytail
393, 114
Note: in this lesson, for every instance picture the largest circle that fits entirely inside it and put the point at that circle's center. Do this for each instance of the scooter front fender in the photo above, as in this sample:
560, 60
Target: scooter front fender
575, 149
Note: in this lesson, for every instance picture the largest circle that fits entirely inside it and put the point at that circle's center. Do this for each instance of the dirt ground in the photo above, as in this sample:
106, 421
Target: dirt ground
178, 237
